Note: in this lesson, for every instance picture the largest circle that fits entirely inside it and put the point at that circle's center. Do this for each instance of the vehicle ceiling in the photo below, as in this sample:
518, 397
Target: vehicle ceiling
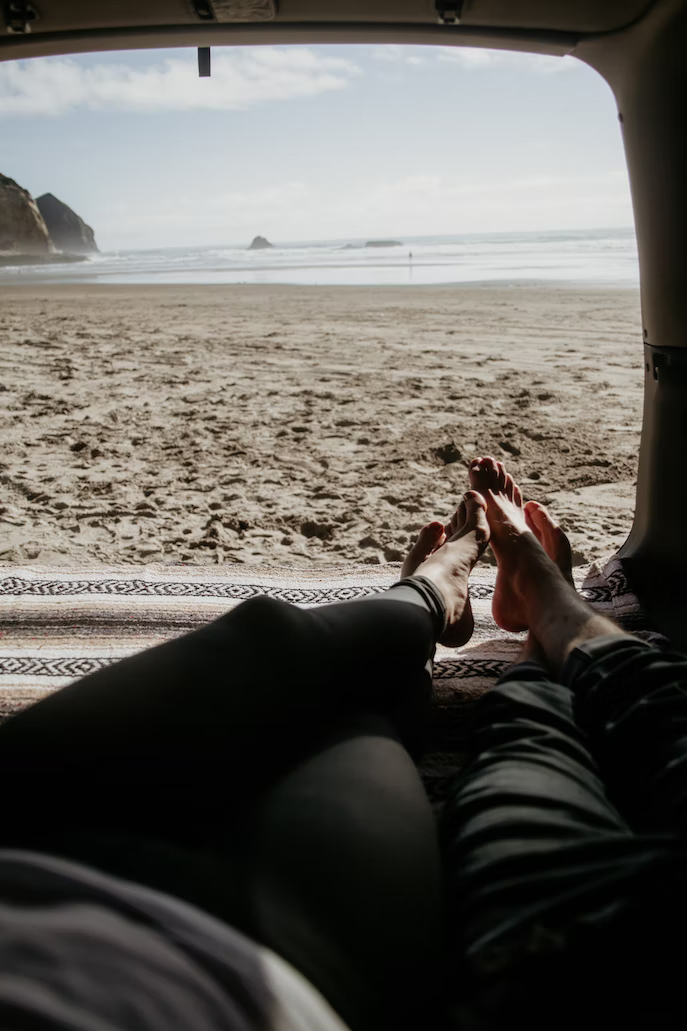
64, 26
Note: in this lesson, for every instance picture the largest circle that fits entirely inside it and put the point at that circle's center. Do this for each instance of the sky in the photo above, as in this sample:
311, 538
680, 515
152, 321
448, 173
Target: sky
315, 143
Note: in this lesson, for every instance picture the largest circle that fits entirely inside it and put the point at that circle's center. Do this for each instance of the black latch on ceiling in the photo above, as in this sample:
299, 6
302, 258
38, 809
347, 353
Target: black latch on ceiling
203, 10
234, 10
204, 68
449, 11
18, 16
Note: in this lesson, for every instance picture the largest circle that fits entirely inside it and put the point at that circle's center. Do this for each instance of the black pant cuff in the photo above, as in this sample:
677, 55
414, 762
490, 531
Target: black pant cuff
433, 598
526, 670
589, 652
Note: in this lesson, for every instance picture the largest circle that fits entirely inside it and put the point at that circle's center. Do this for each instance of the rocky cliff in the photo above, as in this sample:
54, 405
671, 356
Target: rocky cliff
69, 233
260, 244
22, 227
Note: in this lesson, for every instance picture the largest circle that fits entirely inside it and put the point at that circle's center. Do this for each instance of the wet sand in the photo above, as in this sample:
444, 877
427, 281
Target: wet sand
303, 425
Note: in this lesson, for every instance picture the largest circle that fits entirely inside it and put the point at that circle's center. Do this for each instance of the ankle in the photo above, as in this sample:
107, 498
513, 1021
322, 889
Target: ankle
536, 579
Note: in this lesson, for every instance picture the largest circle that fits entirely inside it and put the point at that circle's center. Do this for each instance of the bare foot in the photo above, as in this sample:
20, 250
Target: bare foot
551, 537
557, 546
509, 524
532, 591
446, 556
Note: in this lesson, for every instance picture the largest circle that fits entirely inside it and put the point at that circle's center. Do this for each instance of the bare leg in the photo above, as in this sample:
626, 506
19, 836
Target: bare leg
446, 556
557, 546
551, 537
531, 591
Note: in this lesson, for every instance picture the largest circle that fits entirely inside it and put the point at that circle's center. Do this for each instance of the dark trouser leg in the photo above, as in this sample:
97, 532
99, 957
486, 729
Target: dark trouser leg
557, 904
529, 808
631, 699
551, 894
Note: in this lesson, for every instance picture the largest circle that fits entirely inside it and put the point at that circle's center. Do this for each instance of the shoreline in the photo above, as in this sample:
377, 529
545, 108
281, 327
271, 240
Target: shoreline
38, 260
306, 426
481, 284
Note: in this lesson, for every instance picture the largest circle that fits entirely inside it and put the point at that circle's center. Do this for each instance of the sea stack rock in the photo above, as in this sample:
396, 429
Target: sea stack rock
69, 232
260, 244
22, 227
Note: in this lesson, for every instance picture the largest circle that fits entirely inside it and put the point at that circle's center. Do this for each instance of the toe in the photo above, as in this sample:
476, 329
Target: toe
539, 517
428, 537
531, 523
476, 476
427, 540
442, 540
472, 499
484, 475
501, 477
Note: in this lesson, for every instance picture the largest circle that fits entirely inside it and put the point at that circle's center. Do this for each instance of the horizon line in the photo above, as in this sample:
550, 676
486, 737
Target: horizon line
401, 237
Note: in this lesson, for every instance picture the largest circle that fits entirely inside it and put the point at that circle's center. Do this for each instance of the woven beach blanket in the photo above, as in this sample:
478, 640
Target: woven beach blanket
57, 625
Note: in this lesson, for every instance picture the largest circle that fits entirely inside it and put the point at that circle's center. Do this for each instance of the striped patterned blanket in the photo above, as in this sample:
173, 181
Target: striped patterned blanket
60, 624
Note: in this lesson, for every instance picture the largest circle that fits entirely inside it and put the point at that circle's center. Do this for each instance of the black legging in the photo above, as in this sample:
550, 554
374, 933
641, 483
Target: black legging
260, 768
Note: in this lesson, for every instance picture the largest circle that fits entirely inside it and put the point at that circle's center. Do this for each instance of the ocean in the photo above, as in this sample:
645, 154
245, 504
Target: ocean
596, 256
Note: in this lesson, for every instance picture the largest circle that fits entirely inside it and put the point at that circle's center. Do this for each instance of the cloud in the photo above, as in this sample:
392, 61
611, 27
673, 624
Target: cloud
240, 78
436, 203
476, 58
472, 58
498, 202
396, 53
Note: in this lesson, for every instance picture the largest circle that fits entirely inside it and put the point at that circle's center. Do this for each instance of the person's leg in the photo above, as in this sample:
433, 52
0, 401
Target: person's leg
632, 701
153, 769
554, 899
529, 834
150, 768
555, 905
630, 698
345, 878
160, 740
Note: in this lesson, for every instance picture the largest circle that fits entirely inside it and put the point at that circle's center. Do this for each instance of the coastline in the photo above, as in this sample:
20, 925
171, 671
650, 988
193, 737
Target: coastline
582, 285
10, 261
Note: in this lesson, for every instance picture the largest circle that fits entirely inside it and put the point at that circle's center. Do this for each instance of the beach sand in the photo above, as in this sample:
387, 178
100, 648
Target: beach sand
303, 425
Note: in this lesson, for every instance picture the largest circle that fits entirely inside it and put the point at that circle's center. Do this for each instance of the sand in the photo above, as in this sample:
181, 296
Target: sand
303, 426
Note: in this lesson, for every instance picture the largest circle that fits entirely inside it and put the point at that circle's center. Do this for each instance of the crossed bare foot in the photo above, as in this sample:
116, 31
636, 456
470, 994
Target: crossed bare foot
513, 524
446, 556
493, 512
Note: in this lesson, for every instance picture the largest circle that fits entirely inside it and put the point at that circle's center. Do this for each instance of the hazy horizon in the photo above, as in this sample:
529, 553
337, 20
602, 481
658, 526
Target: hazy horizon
574, 256
361, 240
